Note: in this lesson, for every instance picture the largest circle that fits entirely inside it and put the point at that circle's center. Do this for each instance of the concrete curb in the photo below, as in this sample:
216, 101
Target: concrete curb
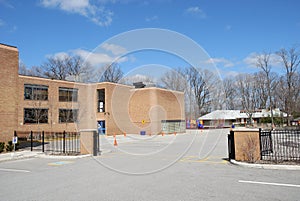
17, 156
265, 166
62, 156
27, 154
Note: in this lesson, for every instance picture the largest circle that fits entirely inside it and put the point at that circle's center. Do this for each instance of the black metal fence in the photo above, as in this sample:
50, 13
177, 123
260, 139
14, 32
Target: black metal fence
50, 142
280, 145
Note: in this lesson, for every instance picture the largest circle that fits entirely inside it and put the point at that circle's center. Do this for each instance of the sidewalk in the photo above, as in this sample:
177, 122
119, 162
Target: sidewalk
265, 166
34, 154
19, 155
106, 146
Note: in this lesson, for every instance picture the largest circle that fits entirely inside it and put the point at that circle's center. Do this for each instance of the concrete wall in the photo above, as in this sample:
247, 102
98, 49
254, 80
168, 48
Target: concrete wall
247, 145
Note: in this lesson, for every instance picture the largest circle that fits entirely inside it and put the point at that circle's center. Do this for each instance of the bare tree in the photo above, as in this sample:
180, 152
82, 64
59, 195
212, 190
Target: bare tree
291, 60
199, 89
66, 67
22, 69
174, 80
56, 67
246, 88
230, 93
263, 62
112, 73
78, 69
33, 71
129, 80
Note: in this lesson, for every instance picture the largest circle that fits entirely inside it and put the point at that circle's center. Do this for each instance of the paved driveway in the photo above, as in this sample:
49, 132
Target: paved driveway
182, 167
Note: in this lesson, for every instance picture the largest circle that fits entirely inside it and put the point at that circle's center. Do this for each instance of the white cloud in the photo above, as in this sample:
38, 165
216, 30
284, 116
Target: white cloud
153, 18
107, 53
115, 49
96, 59
223, 61
196, 11
6, 4
96, 13
251, 60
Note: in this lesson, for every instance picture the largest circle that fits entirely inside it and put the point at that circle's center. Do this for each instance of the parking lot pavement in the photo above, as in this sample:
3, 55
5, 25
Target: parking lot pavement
192, 167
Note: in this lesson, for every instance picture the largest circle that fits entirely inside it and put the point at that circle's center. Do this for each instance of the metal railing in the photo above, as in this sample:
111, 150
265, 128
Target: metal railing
50, 142
280, 145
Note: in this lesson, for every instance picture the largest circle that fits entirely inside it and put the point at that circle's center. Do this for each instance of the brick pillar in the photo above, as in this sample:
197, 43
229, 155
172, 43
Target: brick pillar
89, 142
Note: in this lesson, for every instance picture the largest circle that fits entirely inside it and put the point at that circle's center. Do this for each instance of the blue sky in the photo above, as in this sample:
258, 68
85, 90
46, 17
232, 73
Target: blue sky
230, 31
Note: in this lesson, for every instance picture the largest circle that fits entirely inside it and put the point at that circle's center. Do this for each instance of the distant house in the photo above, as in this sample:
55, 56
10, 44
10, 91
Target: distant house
296, 122
225, 118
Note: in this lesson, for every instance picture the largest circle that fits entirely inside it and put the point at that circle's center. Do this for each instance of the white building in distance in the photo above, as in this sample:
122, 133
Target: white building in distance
225, 118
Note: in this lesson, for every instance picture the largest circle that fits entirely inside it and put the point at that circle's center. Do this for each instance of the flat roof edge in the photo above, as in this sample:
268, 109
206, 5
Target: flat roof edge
10, 47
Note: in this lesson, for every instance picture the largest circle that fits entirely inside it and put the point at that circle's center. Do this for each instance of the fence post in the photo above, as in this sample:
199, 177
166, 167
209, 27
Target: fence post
95, 143
31, 140
64, 142
260, 145
231, 146
43, 141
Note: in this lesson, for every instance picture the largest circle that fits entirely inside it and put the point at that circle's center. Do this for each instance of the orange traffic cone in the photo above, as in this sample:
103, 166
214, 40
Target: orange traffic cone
115, 141
162, 134
124, 134
174, 133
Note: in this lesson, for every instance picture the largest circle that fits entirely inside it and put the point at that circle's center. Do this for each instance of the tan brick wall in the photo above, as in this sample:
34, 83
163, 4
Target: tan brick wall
247, 145
9, 63
133, 110
116, 108
126, 109
53, 105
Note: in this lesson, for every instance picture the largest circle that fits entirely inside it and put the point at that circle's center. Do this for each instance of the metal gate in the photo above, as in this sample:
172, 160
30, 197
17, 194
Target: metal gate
266, 145
51, 142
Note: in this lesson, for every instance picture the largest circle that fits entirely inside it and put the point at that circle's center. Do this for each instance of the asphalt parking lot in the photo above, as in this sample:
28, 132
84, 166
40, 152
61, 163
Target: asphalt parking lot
189, 166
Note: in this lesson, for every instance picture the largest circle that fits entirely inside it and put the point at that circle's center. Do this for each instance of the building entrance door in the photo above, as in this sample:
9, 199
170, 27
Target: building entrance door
101, 127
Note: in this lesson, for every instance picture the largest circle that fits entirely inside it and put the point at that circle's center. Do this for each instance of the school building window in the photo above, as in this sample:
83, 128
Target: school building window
35, 116
68, 94
35, 92
68, 115
101, 100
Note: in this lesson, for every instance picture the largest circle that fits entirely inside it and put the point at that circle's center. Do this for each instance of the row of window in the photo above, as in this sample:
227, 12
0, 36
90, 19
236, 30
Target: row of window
40, 92
40, 115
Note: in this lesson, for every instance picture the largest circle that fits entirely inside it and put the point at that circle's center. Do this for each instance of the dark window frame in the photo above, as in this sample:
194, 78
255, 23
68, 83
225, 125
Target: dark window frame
35, 92
101, 100
38, 116
67, 115
67, 94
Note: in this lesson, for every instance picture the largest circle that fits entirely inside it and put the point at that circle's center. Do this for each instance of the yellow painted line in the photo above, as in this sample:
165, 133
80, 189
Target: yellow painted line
201, 161
195, 159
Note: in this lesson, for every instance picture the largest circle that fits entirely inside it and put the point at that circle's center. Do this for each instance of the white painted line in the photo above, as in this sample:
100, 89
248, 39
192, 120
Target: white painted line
267, 183
13, 170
